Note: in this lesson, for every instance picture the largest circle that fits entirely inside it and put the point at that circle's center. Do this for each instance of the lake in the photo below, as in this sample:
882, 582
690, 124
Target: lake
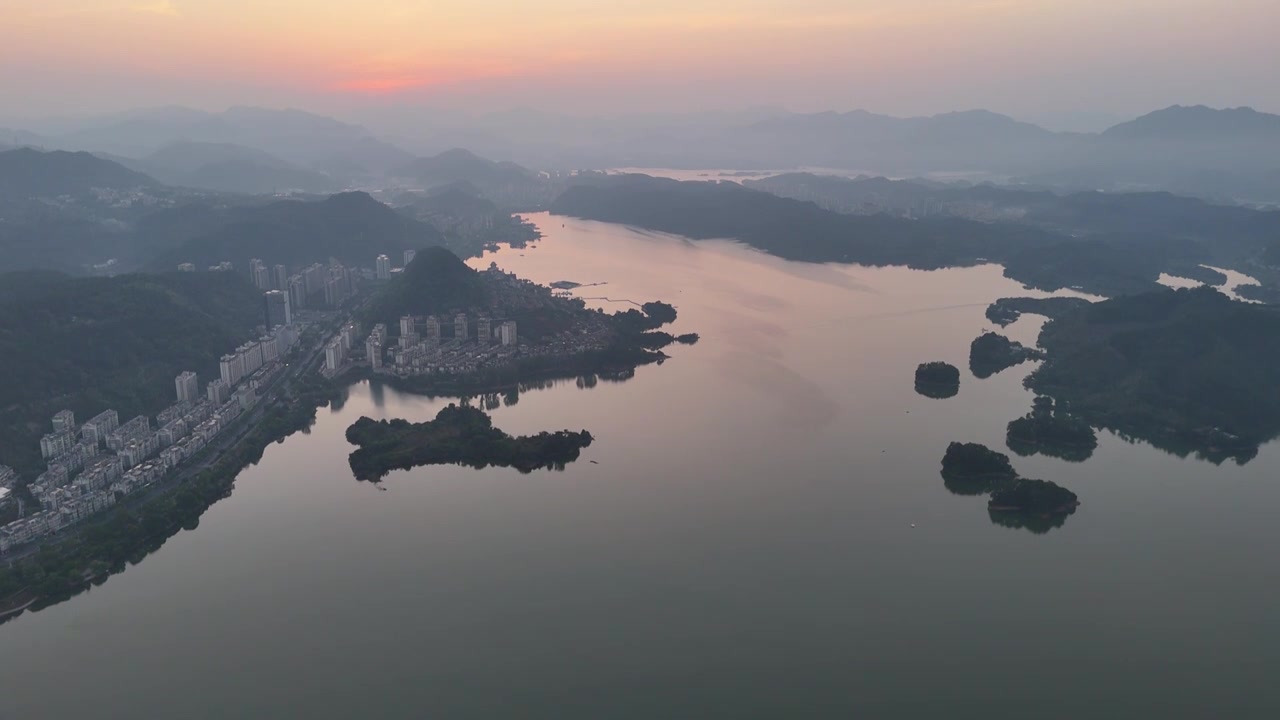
737, 543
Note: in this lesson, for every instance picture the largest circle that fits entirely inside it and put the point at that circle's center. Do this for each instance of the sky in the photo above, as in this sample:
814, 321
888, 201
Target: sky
1028, 58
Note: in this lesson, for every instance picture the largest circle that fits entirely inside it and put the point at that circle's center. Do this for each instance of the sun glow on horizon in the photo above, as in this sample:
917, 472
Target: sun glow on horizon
730, 52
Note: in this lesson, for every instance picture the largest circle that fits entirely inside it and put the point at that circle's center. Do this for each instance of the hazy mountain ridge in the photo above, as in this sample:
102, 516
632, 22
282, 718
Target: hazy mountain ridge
1226, 154
25, 172
352, 227
226, 167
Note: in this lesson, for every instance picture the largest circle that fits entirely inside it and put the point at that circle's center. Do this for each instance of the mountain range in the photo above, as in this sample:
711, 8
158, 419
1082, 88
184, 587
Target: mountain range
1231, 154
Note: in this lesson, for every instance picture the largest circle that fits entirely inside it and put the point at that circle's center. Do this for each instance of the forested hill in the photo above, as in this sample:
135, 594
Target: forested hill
436, 281
798, 230
89, 344
789, 228
1186, 370
352, 227
32, 173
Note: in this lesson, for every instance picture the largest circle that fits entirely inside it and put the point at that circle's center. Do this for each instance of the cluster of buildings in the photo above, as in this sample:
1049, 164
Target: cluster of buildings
315, 286
467, 342
338, 351
90, 466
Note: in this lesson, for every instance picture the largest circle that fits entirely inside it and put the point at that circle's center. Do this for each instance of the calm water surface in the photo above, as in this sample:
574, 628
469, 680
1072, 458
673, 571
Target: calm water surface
741, 546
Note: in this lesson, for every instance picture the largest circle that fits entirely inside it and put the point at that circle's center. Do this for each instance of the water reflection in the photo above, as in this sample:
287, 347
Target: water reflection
1037, 524
936, 391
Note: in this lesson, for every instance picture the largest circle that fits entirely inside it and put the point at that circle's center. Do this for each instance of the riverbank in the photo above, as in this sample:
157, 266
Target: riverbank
70, 564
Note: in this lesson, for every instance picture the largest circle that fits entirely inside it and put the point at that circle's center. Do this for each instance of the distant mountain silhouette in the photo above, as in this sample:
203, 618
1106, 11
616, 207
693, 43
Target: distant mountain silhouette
458, 165
1199, 123
302, 138
507, 184
27, 172
227, 167
352, 227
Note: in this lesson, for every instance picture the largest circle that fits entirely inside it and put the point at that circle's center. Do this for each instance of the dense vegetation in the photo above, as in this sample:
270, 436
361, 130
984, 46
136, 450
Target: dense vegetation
89, 344
973, 469
937, 380
1038, 497
1050, 429
437, 281
1035, 505
990, 353
789, 228
1187, 370
352, 227
461, 435
1005, 311
1105, 243
1226, 233
125, 535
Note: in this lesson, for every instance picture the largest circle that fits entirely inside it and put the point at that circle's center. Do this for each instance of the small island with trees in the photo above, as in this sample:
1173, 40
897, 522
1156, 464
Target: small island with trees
460, 435
1051, 430
991, 353
973, 469
937, 380
1035, 505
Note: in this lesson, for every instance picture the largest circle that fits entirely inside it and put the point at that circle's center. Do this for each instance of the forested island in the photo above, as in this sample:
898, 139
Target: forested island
1052, 430
973, 469
1036, 505
1033, 497
460, 435
937, 380
1186, 370
990, 353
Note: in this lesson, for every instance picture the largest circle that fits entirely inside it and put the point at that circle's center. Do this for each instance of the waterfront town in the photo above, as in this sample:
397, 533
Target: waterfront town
92, 465
475, 339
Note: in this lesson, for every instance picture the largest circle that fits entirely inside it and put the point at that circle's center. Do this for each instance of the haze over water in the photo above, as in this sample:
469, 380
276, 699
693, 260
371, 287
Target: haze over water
738, 542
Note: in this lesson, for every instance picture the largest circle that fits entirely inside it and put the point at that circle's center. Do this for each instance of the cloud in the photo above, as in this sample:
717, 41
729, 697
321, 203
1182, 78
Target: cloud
160, 7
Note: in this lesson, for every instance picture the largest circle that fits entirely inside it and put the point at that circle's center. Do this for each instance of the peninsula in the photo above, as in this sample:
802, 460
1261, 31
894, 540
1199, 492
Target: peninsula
460, 435
1005, 311
1186, 370
1051, 430
442, 328
991, 353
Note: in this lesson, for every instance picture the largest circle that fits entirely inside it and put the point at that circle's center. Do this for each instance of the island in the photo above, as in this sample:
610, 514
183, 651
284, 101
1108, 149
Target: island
460, 435
1190, 371
1051, 430
688, 339
1033, 497
1006, 311
938, 380
1015, 502
991, 352
974, 469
